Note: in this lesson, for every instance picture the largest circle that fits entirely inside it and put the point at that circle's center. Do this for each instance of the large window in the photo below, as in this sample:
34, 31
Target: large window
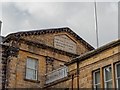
96, 79
108, 77
31, 69
118, 75
107, 80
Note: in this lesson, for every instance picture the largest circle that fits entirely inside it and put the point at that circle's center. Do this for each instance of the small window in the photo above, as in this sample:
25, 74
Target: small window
108, 77
31, 69
118, 75
96, 79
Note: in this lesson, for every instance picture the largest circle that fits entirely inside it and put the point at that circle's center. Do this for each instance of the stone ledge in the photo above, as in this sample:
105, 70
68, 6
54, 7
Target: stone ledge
35, 81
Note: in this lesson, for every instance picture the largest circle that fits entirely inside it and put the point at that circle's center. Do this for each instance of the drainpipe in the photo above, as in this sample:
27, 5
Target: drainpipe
77, 75
72, 81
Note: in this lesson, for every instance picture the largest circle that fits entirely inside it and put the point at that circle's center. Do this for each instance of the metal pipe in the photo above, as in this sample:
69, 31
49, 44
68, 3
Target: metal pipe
96, 24
0, 26
72, 81
78, 75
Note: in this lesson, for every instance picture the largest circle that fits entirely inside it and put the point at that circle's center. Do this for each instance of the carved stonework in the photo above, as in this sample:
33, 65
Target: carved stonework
63, 42
49, 64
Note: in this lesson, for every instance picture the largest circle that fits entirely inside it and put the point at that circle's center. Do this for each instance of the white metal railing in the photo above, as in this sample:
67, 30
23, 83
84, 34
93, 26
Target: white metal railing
56, 74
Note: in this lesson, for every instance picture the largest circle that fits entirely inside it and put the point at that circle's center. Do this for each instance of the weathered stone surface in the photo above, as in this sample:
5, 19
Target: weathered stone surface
81, 76
17, 65
87, 66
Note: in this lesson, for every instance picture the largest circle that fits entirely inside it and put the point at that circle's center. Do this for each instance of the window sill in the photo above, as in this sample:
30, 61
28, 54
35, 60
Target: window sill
35, 81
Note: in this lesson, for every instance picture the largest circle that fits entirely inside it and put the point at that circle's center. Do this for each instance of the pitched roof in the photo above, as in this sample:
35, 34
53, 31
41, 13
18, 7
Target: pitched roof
45, 31
94, 52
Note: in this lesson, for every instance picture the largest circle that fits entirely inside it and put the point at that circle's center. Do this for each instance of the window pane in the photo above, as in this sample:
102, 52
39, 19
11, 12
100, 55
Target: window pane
97, 77
109, 84
108, 77
31, 63
118, 70
118, 76
35, 75
108, 74
119, 83
31, 74
98, 86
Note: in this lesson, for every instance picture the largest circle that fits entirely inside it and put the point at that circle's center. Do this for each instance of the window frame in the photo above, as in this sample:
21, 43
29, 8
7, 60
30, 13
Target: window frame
105, 82
116, 77
36, 69
94, 77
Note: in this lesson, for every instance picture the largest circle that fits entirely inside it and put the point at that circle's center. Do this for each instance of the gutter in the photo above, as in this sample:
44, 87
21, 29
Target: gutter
94, 52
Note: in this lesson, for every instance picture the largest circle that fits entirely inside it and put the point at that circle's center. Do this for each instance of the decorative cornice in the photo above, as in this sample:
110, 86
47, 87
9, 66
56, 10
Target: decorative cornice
44, 46
45, 31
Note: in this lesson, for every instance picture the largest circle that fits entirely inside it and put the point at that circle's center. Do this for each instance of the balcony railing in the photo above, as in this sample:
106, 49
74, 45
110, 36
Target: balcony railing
56, 74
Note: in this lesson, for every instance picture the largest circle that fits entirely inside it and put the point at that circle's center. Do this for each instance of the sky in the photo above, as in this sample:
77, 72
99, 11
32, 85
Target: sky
79, 16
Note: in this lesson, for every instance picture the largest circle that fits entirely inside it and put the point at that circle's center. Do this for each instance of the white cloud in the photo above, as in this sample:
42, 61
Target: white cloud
79, 17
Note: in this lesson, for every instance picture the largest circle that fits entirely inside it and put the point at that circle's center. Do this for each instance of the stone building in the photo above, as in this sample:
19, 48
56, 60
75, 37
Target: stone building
30, 55
99, 68
58, 58
1, 38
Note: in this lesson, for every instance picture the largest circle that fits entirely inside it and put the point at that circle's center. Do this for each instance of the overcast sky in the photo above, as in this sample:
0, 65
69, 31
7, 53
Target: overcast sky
79, 16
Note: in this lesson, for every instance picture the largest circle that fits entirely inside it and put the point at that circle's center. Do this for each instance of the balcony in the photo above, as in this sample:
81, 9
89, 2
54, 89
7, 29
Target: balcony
56, 74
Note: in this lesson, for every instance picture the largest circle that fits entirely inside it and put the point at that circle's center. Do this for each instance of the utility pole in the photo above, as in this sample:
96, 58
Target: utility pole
0, 32
96, 24
0, 26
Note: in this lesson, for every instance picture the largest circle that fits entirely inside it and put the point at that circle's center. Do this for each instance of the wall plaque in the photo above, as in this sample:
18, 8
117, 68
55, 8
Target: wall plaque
63, 42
